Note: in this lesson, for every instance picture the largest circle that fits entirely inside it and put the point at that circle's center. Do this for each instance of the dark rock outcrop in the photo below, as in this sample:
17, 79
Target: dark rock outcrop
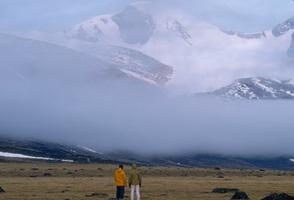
142, 25
278, 196
240, 196
2, 190
224, 190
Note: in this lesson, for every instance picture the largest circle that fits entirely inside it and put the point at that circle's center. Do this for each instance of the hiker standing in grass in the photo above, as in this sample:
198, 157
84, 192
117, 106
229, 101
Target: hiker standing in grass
135, 182
120, 181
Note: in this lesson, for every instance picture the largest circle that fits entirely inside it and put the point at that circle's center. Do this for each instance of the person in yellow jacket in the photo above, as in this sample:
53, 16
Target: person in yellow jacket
120, 181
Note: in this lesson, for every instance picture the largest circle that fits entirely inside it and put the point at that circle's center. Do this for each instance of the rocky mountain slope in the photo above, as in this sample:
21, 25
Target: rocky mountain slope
75, 153
26, 60
258, 89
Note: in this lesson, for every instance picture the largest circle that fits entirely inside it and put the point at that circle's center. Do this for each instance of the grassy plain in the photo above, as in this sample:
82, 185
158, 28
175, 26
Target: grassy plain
43, 181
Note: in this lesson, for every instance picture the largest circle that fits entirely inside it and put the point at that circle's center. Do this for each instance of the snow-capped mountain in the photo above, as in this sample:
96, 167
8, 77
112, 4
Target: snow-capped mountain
257, 88
131, 26
198, 51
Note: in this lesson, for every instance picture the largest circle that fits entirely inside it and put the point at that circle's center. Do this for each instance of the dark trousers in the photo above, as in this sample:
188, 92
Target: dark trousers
120, 192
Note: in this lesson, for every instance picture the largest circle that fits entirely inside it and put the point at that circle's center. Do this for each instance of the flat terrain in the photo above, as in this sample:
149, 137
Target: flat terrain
79, 181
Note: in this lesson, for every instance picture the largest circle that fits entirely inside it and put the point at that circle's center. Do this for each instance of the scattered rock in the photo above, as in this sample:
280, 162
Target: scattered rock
240, 196
97, 194
220, 176
224, 190
2, 190
35, 169
217, 168
278, 196
69, 173
47, 174
162, 194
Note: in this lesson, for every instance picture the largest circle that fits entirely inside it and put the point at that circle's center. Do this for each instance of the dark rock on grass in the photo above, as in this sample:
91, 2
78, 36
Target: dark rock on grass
2, 190
240, 196
97, 194
220, 176
47, 174
278, 196
35, 169
217, 168
224, 190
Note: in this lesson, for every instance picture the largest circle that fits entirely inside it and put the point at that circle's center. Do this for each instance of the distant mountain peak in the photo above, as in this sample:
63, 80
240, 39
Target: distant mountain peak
257, 88
284, 27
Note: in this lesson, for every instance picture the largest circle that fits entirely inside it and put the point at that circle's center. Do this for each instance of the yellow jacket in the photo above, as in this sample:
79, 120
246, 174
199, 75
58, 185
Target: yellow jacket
120, 177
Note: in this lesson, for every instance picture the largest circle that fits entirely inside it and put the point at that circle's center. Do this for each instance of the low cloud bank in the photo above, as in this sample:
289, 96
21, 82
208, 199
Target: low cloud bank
117, 119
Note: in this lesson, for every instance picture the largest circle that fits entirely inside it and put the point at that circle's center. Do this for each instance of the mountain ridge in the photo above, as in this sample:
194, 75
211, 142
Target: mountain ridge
257, 88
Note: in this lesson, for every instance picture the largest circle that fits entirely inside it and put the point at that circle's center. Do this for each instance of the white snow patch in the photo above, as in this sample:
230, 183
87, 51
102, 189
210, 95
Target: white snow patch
88, 149
292, 159
138, 76
16, 155
264, 87
69, 161
290, 93
290, 82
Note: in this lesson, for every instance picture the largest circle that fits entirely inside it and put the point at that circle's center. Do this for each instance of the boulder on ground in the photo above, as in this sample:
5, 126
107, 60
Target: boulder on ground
97, 194
224, 190
240, 196
47, 174
2, 190
278, 196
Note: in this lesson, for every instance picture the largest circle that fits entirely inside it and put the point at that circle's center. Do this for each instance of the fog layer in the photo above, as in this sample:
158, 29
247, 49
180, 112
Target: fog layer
149, 123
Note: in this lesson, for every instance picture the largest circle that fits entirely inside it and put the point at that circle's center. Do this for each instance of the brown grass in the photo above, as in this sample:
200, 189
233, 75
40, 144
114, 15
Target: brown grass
74, 182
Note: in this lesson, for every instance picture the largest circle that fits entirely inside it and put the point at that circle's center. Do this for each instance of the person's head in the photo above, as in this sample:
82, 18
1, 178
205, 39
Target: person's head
121, 167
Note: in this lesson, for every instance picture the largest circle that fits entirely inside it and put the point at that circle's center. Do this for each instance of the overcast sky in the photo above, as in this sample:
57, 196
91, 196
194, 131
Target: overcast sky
249, 15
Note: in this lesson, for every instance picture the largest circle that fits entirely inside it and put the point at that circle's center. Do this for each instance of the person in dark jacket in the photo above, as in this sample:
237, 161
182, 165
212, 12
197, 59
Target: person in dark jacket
135, 182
